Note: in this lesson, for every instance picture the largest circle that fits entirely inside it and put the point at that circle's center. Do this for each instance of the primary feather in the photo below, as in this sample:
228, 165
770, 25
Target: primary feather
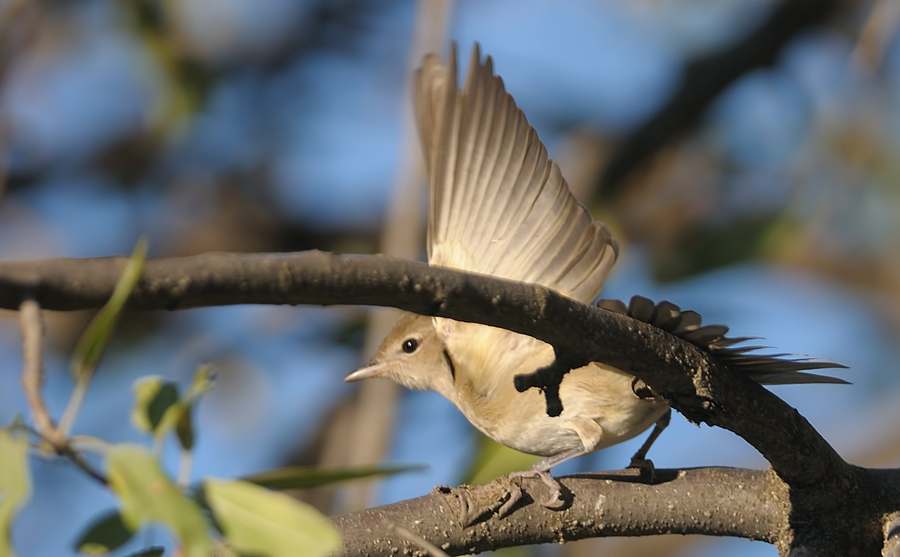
499, 205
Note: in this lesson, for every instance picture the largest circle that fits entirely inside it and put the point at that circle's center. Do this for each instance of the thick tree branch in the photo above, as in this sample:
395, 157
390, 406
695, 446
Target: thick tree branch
716, 501
676, 369
751, 504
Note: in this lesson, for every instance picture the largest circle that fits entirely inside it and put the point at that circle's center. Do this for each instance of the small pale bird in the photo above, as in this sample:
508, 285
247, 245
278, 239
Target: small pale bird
500, 206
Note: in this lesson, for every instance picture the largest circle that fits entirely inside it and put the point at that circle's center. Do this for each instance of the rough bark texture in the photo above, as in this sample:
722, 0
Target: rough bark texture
715, 501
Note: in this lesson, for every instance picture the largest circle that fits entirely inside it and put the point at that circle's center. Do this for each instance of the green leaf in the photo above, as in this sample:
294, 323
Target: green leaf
301, 477
260, 522
93, 341
148, 495
153, 396
159, 409
181, 419
106, 533
184, 429
15, 484
203, 381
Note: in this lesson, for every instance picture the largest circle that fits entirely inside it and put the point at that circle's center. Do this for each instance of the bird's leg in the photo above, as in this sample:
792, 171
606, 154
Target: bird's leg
471, 511
590, 433
640, 460
542, 471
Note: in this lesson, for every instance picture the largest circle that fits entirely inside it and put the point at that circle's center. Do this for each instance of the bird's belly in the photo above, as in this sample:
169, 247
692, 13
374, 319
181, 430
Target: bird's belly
544, 436
524, 425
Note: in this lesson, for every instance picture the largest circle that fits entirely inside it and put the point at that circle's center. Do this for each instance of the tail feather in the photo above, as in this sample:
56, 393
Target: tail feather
766, 369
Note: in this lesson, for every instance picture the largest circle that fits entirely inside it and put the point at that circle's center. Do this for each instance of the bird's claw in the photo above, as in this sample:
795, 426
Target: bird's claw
467, 516
501, 496
645, 467
555, 500
514, 489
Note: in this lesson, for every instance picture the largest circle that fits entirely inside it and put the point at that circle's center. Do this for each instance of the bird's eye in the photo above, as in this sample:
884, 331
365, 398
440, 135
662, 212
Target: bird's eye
410, 345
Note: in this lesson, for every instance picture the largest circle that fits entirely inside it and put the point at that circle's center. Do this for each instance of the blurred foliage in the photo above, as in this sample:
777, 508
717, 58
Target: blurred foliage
15, 483
260, 522
160, 408
252, 518
304, 477
147, 495
105, 534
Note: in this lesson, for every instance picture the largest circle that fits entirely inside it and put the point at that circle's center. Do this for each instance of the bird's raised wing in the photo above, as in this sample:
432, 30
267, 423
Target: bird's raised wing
499, 205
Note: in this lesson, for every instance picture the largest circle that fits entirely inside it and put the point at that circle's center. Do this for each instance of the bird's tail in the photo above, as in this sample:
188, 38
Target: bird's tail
766, 369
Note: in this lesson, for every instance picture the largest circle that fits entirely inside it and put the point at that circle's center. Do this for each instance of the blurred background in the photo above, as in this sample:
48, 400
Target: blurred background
744, 154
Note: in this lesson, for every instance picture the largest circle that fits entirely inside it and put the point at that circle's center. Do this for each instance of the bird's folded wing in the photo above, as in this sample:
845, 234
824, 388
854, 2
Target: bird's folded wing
499, 205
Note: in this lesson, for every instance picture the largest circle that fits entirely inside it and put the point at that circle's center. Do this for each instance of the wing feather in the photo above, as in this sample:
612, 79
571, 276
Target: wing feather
498, 204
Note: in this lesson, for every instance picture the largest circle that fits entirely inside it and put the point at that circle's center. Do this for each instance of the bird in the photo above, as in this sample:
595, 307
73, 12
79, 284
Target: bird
500, 206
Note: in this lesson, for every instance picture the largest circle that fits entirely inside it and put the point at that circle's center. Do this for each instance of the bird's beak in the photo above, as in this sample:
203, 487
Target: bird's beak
371, 370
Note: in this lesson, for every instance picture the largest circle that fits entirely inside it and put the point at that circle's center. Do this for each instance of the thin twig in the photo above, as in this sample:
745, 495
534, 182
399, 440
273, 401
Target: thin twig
185, 464
65, 449
75, 402
79, 461
32, 381
33, 372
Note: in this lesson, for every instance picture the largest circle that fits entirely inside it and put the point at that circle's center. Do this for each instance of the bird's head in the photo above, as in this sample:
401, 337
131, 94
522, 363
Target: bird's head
413, 355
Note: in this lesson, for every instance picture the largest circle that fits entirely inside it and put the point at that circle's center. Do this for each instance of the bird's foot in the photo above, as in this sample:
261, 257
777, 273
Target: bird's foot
645, 468
504, 494
555, 500
467, 514
478, 502
514, 490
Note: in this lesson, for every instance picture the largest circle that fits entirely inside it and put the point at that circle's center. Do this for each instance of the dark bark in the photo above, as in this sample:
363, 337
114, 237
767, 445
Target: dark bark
715, 501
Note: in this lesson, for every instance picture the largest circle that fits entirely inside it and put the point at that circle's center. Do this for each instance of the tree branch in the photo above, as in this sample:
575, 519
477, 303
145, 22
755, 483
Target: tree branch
716, 501
685, 376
